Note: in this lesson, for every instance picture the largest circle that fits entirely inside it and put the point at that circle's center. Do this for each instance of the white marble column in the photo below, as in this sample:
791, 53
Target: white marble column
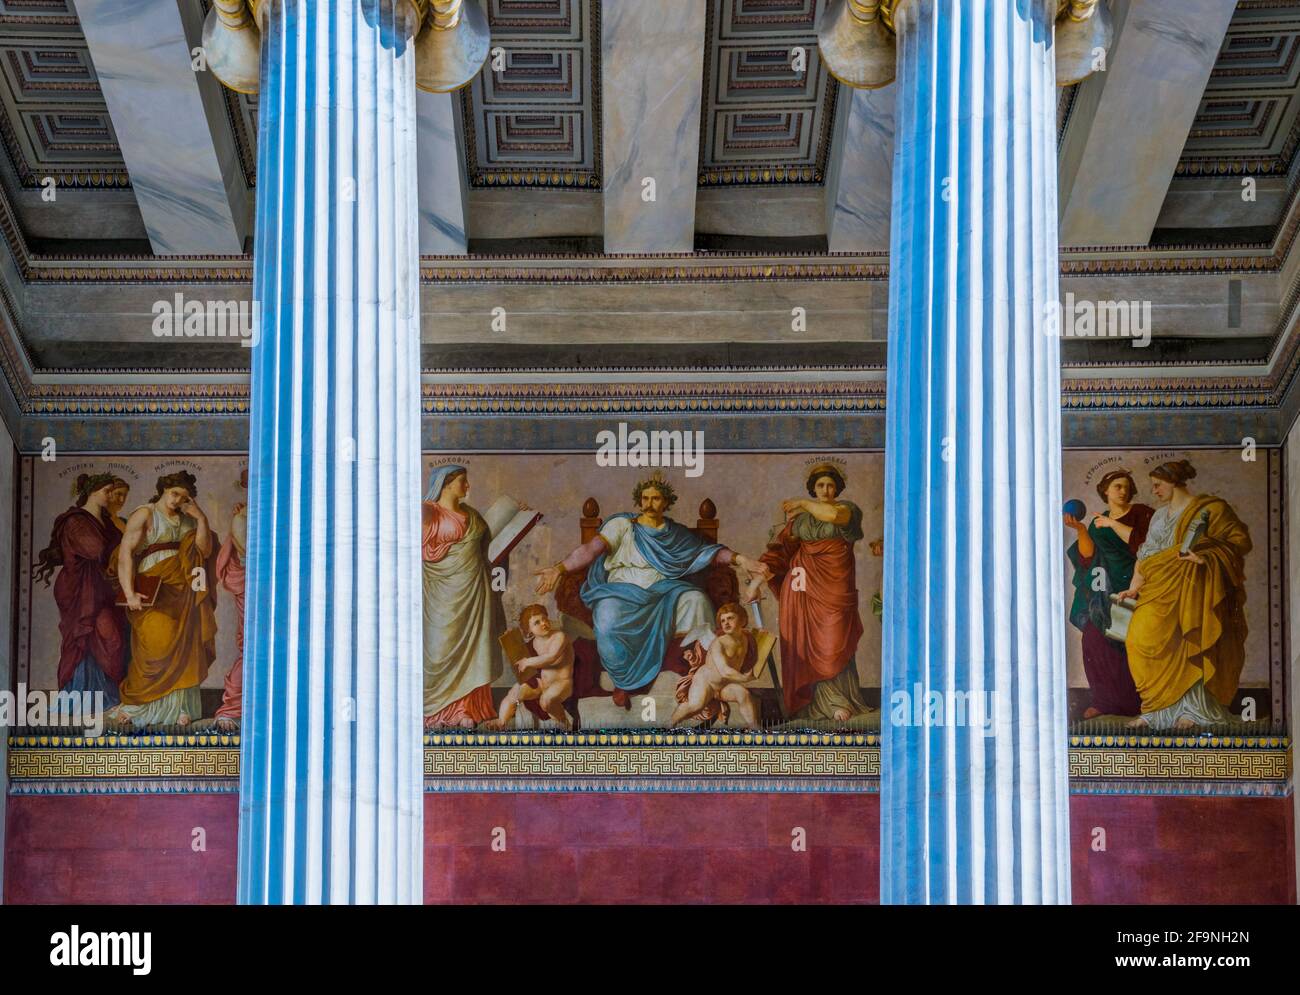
974, 811
330, 792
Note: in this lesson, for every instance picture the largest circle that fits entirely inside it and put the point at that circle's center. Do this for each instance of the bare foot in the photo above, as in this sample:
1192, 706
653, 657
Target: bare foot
1091, 713
225, 723
1185, 725
430, 722
1138, 723
841, 715
184, 720
466, 723
494, 725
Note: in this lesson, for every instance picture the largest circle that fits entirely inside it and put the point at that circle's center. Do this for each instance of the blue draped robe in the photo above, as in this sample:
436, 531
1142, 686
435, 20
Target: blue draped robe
635, 624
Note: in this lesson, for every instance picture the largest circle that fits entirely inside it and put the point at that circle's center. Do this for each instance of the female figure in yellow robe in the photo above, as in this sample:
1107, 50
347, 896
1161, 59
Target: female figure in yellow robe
173, 641
1187, 639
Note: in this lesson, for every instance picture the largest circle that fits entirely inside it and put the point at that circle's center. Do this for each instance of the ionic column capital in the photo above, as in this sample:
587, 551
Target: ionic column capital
857, 40
452, 42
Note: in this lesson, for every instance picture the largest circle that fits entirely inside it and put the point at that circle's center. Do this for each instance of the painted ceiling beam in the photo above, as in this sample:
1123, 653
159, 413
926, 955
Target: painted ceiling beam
171, 124
652, 63
1131, 122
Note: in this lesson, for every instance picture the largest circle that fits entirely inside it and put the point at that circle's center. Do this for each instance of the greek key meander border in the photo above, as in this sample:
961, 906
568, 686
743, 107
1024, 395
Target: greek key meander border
1261, 769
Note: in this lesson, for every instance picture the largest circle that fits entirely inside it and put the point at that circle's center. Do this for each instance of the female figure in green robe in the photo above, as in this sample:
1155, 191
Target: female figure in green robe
1103, 557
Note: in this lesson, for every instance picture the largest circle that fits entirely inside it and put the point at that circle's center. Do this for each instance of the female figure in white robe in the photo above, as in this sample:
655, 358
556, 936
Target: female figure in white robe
462, 614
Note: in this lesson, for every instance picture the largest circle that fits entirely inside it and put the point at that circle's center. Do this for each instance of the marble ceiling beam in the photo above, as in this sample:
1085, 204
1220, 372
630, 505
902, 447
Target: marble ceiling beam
66, 324
652, 64
1130, 122
170, 123
444, 188
860, 180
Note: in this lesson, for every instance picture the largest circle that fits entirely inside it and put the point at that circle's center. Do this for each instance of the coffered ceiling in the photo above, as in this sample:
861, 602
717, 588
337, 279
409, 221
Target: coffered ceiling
768, 103
1248, 122
535, 121
55, 123
774, 131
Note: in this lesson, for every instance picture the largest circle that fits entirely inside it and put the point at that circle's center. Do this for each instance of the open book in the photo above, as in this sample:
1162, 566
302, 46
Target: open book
507, 523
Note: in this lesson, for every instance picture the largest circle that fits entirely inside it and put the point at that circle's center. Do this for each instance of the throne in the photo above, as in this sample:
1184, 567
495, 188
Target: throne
718, 583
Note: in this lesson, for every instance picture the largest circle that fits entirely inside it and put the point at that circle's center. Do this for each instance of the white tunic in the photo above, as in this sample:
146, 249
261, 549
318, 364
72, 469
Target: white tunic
162, 529
624, 564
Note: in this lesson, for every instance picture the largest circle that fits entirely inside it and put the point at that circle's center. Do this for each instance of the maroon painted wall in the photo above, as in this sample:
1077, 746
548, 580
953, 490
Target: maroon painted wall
120, 849
645, 848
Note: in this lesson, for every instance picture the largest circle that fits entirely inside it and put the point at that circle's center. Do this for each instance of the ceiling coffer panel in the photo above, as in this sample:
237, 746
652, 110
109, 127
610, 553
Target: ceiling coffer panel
1249, 119
769, 103
532, 115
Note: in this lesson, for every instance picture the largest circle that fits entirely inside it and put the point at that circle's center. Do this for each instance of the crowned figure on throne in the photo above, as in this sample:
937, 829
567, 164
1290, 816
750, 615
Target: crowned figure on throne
641, 589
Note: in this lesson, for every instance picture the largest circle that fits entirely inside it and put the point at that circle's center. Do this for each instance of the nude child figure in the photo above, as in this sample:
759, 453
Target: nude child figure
551, 663
720, 676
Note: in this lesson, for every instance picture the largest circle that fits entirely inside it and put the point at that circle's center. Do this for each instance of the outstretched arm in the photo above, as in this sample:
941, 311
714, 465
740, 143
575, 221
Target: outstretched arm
582, 556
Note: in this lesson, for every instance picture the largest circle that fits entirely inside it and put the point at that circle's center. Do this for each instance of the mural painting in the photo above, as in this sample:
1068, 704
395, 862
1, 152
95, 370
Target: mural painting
617, 597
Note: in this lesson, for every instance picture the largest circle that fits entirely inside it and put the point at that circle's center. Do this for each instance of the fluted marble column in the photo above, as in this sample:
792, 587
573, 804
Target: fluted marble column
973, 561
330, 790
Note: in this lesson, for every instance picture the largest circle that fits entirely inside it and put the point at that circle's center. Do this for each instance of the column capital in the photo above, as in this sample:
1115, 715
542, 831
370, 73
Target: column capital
857, 39
452, 42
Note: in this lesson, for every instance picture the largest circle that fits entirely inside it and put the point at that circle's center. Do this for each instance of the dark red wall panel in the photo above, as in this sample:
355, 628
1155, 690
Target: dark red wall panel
577, 847
120, 849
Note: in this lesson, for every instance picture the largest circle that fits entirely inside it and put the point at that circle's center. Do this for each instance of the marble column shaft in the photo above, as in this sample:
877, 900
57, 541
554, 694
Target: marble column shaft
331, 785
973, 560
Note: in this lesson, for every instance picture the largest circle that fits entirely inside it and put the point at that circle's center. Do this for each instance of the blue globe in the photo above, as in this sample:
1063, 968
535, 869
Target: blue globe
1075, 508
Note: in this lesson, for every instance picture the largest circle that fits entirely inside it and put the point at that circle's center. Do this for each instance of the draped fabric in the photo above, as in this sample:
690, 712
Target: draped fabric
1190, 623
819, 619
230, 573
634, 624
173, 642
462, 617
1105, 663
93, 630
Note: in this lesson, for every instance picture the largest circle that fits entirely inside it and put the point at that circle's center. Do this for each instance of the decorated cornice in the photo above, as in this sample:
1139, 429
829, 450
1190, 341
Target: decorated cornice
531, 399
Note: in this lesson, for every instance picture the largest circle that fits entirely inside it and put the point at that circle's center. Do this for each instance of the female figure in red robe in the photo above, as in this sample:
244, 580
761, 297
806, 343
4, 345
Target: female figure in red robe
231, 572
811, 571
82, 542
